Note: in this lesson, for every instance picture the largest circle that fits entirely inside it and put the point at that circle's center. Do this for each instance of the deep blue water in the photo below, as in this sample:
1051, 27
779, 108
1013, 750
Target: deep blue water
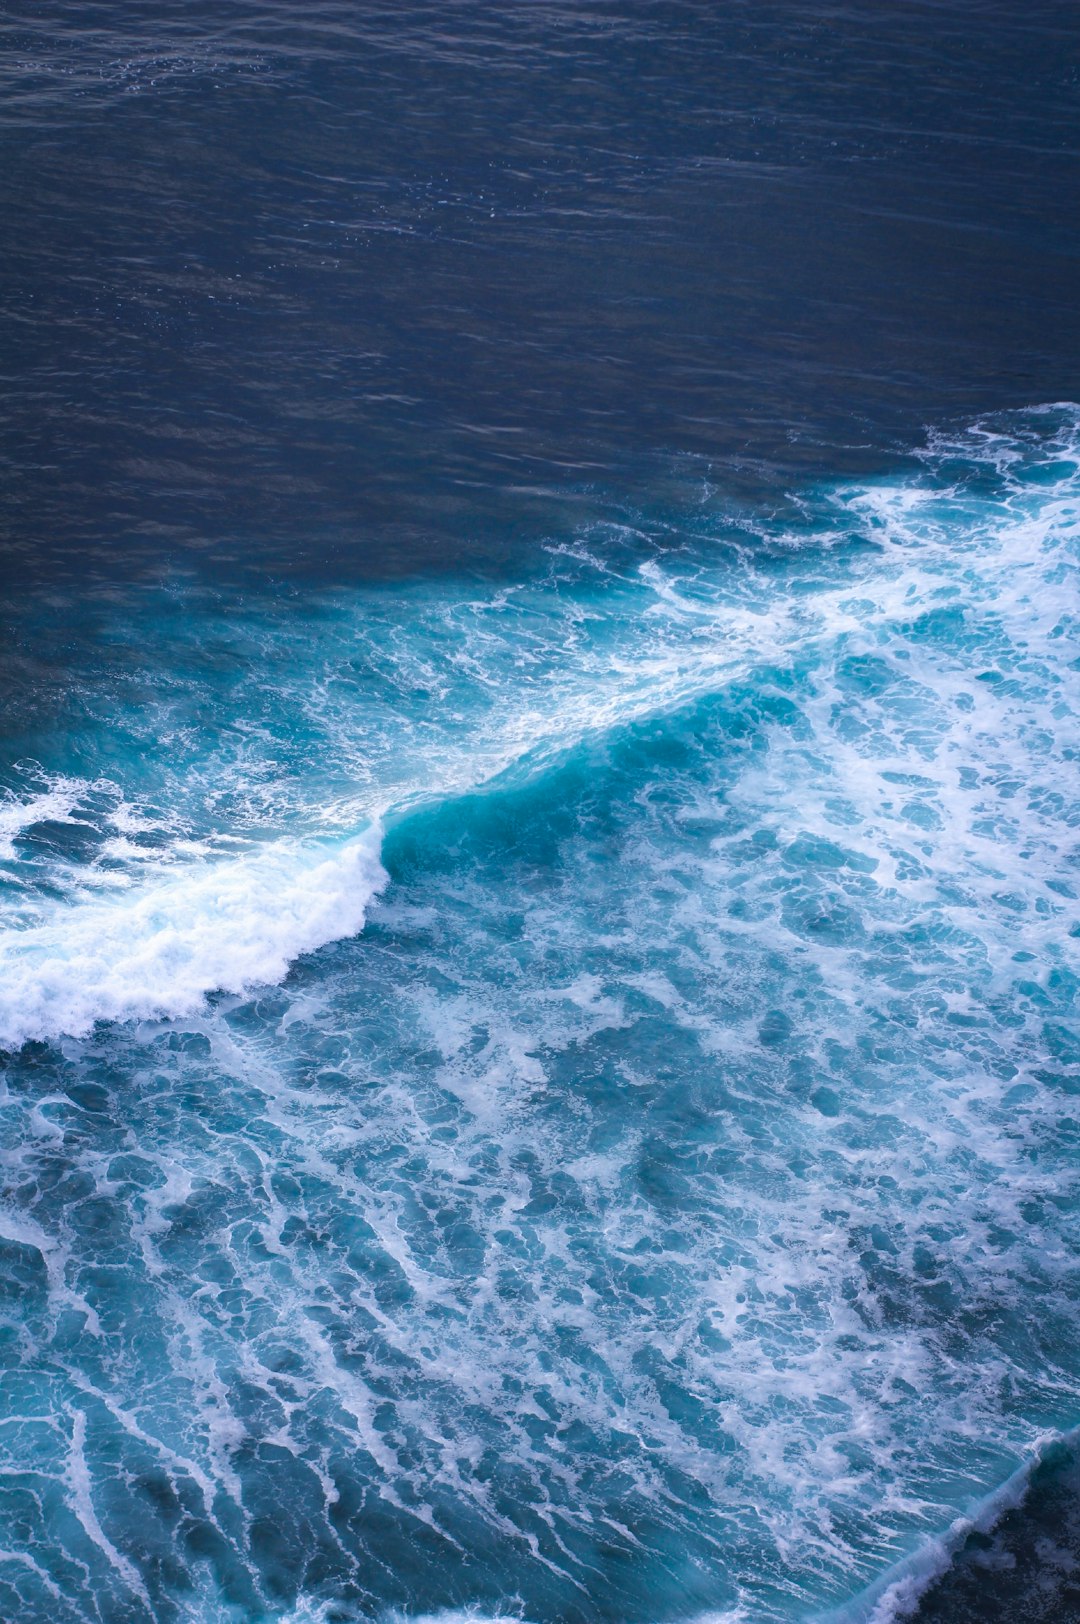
538, 813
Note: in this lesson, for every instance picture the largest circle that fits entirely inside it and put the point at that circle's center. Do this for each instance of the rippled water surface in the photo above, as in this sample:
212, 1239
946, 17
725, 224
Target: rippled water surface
538, 803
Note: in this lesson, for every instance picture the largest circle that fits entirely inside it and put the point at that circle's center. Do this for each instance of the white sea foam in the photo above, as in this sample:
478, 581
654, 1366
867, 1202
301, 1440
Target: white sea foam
530, 1224
230, 924
81, 1499
512, 681
897, 1594
54, 803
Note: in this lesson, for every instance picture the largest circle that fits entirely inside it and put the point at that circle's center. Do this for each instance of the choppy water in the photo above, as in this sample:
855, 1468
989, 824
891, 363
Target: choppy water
538, 813
625, 1165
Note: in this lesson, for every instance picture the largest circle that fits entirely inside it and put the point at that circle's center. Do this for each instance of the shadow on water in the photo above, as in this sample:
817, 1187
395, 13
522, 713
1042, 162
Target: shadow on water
1028, 1567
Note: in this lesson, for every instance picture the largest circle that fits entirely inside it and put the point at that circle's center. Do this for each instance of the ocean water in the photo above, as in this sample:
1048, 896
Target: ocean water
558, 1096
539, 926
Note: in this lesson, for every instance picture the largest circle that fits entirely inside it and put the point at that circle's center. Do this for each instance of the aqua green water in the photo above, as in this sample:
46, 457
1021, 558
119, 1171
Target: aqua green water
553, 1097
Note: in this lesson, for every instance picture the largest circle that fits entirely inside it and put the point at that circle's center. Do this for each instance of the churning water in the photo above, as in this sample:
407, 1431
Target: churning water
538, 870
581, 1108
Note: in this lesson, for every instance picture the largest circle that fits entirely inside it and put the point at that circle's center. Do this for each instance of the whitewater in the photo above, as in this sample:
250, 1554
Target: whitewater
552, 1096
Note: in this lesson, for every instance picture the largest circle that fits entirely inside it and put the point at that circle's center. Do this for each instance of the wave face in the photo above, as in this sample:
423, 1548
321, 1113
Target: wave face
552, 1100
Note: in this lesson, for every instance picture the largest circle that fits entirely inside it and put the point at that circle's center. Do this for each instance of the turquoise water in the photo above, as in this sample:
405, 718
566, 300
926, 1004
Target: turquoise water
551, 1098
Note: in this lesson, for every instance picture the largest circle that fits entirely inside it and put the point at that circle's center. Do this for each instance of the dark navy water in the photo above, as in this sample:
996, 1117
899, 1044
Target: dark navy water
360, 287
538, 804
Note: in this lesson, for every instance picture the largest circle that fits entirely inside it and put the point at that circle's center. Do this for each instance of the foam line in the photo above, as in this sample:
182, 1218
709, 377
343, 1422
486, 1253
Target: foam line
511, 682
896, 1595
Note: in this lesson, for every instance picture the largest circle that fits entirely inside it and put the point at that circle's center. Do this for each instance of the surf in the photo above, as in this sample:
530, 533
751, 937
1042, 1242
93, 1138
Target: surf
405, 701
570, 1087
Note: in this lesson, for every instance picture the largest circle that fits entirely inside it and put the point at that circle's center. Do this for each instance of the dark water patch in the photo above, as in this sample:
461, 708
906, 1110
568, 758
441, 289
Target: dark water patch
1028, 1566
355, 290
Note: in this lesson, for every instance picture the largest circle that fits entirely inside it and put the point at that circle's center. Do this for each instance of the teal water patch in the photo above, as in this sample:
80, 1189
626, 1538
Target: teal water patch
665, 1204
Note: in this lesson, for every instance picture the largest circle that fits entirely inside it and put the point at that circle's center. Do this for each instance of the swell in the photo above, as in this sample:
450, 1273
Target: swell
368, 715
661, 1209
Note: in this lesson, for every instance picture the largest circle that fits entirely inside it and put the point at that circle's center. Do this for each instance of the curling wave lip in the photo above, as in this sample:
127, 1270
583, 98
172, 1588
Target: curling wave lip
229, 925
